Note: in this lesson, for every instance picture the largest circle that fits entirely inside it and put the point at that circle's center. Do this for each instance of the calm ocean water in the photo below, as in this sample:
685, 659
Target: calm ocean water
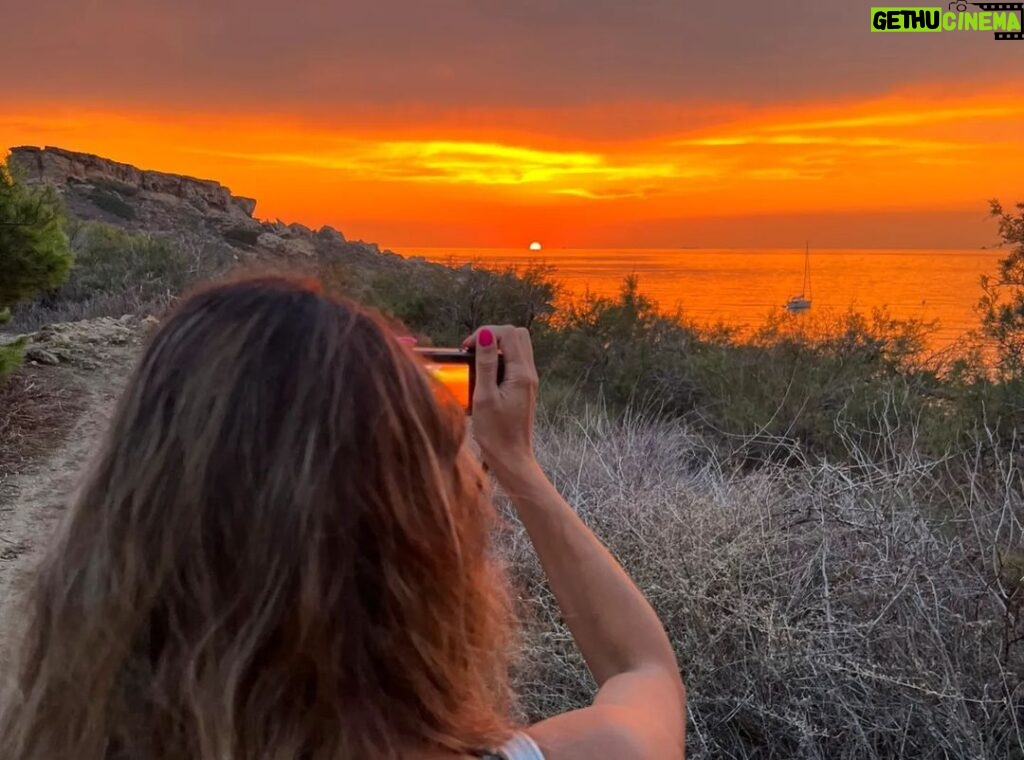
740, 287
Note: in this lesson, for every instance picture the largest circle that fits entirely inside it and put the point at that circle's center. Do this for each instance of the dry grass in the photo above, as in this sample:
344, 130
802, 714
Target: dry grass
37, 408
817, 610
32, 316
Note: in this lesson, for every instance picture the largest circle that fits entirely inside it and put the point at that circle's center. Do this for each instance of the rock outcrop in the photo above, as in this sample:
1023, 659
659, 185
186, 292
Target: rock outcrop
86, 344
59, 167
199, 214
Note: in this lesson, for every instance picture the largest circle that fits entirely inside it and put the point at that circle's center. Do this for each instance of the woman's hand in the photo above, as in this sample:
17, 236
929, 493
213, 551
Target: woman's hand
503, 414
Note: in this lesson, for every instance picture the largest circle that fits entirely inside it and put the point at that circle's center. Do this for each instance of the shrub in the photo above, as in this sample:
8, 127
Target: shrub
1002, 306
36, 410
118, 272
804, 378
820, 380
622, 350
795, 379
34, 252
980, 413
111, 260
815, 609
446, 304
32, 316
11, 357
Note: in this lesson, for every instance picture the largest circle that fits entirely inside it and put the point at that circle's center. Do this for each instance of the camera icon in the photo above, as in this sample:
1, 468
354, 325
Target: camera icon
961, 6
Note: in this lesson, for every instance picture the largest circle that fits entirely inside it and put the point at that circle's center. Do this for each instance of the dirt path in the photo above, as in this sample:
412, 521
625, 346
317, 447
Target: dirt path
96, 356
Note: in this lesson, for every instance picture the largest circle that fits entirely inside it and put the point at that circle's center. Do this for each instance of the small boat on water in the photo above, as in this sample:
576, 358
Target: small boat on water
802, 302
798, 303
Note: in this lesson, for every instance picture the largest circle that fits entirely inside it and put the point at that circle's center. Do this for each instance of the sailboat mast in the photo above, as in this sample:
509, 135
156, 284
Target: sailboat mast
807, 270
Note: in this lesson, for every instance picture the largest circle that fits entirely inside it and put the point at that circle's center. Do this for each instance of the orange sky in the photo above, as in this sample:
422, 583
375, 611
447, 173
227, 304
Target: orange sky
844, 157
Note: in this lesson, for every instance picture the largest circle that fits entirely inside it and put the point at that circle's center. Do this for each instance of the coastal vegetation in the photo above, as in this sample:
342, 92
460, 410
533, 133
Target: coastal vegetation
34, 252
828, 518
820, 381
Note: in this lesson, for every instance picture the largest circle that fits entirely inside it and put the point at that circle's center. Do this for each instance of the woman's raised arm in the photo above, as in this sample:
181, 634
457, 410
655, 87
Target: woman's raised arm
640, 708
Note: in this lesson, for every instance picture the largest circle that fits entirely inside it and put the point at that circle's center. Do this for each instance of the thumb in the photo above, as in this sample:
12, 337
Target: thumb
486, 362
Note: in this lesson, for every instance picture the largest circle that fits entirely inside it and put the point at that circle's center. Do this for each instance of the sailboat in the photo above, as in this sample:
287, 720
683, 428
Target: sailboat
802, 302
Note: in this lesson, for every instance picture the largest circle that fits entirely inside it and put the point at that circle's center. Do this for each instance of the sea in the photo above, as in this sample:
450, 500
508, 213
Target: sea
741, 287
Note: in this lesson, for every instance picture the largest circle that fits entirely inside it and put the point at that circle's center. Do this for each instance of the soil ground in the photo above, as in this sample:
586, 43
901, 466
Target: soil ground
53, 414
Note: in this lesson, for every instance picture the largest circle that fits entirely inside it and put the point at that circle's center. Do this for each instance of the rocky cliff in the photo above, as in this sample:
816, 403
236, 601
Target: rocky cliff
203, 212
60, 168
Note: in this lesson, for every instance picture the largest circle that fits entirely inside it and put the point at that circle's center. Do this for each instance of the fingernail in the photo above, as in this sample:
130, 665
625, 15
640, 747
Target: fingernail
485, 338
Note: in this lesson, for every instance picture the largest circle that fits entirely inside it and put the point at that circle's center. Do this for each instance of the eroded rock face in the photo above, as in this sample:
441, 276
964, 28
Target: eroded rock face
297, 245
58, 167
200, 215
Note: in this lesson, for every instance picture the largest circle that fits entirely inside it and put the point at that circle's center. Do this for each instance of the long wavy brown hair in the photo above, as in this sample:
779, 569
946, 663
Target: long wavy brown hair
282, 552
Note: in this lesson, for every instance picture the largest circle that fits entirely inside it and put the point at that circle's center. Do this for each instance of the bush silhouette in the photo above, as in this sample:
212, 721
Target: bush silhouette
34, 251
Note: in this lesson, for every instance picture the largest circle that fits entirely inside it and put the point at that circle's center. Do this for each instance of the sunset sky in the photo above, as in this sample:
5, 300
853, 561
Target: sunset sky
576, 122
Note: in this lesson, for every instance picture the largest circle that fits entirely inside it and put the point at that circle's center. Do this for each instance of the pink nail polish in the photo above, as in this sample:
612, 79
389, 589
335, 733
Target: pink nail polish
485, 338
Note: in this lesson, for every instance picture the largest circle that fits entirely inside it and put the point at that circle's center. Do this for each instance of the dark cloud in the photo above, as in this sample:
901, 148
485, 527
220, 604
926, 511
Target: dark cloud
281, 56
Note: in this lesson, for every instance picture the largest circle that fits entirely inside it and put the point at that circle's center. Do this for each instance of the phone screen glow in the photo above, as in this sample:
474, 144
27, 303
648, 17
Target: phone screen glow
454, 377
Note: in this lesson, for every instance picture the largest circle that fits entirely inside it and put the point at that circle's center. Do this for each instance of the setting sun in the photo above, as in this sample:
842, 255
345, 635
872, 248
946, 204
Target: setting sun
934, 160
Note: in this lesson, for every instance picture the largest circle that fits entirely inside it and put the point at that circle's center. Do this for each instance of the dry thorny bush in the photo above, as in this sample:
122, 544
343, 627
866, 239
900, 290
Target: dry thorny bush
35, 410
860, 610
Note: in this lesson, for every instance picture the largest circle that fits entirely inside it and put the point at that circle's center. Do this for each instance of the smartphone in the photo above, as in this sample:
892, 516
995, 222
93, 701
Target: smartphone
455, 368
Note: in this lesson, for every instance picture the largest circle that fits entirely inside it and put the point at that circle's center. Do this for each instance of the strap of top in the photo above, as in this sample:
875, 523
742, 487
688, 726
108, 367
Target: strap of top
519, 747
